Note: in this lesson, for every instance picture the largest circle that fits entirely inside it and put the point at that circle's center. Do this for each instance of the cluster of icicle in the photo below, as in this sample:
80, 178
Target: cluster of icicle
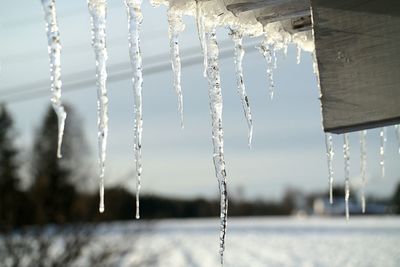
363, 162
274, 39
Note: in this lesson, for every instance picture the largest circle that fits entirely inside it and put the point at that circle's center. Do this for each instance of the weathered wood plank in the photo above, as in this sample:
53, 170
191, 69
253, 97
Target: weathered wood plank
358, 53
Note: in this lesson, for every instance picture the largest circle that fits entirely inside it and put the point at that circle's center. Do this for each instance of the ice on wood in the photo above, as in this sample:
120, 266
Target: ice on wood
329, 155
346, 153
135, 18
363, 167
175, 26
237, 38
98, 11
54, 49
215, 96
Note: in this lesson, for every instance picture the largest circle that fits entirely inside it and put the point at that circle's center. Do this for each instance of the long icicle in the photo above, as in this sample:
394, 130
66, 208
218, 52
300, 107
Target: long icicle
215, 95
397, 130
266, 49
241, 88
135, 18
98, 13
329, 155
346, 153
363, 167
54, 49
175, 26
382, 135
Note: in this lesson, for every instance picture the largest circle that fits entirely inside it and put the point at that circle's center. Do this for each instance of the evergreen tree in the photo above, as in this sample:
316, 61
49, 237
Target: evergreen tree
9, 177
52, 190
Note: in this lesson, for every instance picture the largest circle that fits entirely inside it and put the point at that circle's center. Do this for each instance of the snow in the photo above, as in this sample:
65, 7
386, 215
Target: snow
134, 23
98, 11
323, 242
54, 48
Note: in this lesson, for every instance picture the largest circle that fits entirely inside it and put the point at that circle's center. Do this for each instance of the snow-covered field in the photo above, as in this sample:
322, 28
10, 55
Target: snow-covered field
363, 241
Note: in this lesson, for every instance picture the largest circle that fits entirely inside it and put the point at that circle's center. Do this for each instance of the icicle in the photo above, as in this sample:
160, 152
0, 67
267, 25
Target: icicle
175, 27
382, 150
346, 152
266, 49
200, 24
135, 20
363, 160
298, 57
215, 96
98, 10
54, 48
397, 129
330, 154
241, 89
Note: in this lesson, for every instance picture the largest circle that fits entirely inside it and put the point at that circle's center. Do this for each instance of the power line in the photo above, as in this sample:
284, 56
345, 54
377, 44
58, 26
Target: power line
120, 72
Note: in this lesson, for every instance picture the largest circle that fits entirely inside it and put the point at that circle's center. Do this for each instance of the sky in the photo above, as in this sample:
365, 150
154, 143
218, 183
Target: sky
288, 149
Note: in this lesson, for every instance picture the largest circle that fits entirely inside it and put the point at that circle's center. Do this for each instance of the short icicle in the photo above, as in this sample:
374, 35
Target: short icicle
383, 138
329, 155
215, 95
363, 166
298, 56
346, 153
54, 49
98, 12
200, 24
266, 49
175, 26
397, 130
237, 38
135, 18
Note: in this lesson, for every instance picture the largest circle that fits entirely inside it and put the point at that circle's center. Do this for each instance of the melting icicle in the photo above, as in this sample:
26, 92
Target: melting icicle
175, 27
298, 57
200, 24
363, 167
98, 10
382, 150
266, 49
54, 48
330, 154
397, 129
241, 89
135, 18
346, 153
215, 96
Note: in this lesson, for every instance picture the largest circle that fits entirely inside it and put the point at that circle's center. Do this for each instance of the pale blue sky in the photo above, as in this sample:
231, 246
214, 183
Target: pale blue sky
288, 143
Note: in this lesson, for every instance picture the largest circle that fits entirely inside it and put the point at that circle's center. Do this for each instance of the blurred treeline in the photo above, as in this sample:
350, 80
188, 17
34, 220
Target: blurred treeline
56, 191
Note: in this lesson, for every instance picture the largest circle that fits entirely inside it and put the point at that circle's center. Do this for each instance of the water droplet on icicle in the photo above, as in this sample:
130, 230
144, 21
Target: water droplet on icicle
363, 167
266, 49
98, 14
175, 26
330, 154
215, 95
241, 88
54, 49
397, 129
346, 153
135, 18
383, 138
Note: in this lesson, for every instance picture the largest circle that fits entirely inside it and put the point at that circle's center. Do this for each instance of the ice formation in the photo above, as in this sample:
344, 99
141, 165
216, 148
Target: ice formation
346, 153
330, 154
54, 49
382, 135
237, 38
215, 96
135, 20
363, 166
98, 11
397, 129
266, 49
175, 26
